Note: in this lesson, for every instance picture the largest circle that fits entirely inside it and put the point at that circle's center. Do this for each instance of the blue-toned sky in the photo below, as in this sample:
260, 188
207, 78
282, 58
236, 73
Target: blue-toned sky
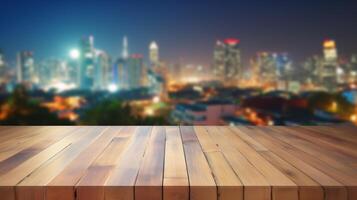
183, 29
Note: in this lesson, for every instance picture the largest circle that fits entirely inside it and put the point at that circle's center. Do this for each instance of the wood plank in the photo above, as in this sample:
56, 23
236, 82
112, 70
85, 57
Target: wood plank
61, 187
332, 158
345, 151
26, 152
148, 184
176, 186
40, 177
20, 140
340, 136
342, 132
20, 172
18, 132
282, 186
201, 162
343, 174
90, 187
120, 185
202, 184
228, 184
332, 188
255, 184
308, 188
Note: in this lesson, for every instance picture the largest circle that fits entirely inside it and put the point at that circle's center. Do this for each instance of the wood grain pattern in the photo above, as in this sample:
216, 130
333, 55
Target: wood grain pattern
176, 186
178, 163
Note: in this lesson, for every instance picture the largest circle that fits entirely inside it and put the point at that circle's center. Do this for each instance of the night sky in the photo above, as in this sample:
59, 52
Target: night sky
184, 30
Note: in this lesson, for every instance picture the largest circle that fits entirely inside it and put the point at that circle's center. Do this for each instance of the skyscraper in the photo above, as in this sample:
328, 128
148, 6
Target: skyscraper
120, 68
103, 68
273, 69
3, 69
312, 70
2, 60
330, 65
330, 51
51, 71
154, 54
227, 60
87, 59
135, 71
25, 67
353, 68
219, 60
125, 50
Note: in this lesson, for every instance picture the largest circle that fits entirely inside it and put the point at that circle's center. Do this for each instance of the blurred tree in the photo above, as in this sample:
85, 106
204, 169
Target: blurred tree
114, 112
19, 109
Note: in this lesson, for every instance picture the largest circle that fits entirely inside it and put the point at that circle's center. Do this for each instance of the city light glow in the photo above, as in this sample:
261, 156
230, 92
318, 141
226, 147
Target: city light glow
353, 118
112, 88
74, 54
156, 99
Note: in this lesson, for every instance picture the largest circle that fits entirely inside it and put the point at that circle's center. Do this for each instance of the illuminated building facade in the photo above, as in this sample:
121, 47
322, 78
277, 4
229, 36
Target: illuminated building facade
103, 75
135, 71
125, 50
51, 70
266, 65
2, 60
154, 54
311, 70
26, 72
353, 69
87, 63
120, 68
273, 67
330, 66
227, 60
2, 67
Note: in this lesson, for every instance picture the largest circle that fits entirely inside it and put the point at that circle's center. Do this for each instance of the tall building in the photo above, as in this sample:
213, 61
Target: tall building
2, 60
353, 68
154, 54
125, 50
227, 60
273, 69
330, 51
51, 71
87, 63
25, 67
219, 60
330, 65
267, 68
3, 69
120, 68
311, 70
135, 71
103, 75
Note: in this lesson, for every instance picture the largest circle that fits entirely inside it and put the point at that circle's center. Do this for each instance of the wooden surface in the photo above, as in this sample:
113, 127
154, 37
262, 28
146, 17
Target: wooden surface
178, 163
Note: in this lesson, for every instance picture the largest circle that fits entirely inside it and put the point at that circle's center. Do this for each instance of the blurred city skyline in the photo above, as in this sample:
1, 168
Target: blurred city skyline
185, 31
197, 63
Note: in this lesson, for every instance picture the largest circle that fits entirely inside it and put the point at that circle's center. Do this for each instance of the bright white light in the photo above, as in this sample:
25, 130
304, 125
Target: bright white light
339, 71
112, 88
74, 53
60, 86
156, 99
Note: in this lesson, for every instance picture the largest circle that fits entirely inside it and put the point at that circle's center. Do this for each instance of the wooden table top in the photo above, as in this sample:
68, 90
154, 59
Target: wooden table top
178, 163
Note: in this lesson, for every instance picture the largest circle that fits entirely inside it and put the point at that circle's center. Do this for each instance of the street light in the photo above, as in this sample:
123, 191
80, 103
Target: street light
74, 54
